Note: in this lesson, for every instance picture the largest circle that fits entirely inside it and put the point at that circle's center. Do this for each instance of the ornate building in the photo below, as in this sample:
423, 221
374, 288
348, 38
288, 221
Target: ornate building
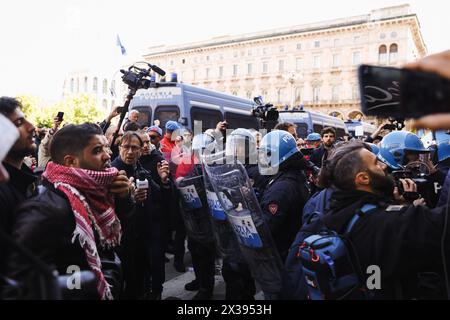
108, 92
314, 64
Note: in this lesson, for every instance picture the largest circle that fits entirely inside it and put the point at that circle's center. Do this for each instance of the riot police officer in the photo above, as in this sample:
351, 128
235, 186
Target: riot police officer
401, 150
286, 193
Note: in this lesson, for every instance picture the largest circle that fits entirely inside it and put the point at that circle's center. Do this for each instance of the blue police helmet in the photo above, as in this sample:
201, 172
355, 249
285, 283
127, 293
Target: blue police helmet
443, 145
374, 148
313, 137
394, 145
276, 147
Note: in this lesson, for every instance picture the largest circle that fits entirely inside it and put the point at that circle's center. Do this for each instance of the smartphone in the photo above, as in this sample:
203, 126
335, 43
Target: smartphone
402, 93
390, 127
60, 116
119, 109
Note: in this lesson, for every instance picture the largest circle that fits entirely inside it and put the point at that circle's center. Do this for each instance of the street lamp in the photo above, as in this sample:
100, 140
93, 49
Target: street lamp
291, 77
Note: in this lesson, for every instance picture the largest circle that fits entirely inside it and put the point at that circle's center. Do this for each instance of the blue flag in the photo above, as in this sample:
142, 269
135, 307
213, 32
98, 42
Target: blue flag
122, 48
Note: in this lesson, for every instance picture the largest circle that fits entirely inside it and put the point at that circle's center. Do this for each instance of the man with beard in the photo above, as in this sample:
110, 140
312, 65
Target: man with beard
321, 154
22, 183
72, 223
404, 240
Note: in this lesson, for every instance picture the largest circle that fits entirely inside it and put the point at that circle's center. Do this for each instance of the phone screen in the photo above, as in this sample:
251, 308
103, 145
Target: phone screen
60, 116
402, 93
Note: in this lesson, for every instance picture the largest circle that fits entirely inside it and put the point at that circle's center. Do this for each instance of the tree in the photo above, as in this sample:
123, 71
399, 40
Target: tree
78, 109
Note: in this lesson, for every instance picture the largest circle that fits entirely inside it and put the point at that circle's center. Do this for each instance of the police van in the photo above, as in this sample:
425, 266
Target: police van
192, 107
309, 121
359, 129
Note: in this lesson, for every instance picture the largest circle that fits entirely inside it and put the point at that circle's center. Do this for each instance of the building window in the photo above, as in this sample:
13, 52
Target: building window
382, 54
95, 85
264, 51
281, 48
280, 95
265, 94
72, 85
234, 93
336, 42
298, 64
207, 73
113, 86
171, 62
113, 104
207, 58
183, 61
316, 61
78, 85
220, 72
235, 70
235, 54
249, 69
355, 92
299, 46
85, 86
194, 74
316, 44
249, 53
105, 104
105, 86
383, 36
335, 93
280, 65
316, 94
356, 39
394, 34
393, 53
298, 95
265, 67
249, 95
356, 58
336, 60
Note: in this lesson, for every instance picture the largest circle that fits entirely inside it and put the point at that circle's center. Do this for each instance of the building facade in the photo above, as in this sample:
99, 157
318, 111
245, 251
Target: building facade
314, 65
107, 92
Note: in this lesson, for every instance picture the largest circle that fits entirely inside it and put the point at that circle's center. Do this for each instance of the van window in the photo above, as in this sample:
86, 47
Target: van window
145, 116
317, 128
236, 121
208, 118
165, 114
340, 132
302, 130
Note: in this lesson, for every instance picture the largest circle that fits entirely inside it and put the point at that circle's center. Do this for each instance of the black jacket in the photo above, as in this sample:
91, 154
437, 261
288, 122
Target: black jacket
21, 186
282, 204
319, 155
45, 225
403, 241
150, 163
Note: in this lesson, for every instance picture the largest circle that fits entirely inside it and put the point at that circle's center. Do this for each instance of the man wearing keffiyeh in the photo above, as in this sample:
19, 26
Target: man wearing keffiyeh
76, 218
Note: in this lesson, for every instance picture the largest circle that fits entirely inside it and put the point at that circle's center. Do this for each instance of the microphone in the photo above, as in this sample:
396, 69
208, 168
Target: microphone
157, 69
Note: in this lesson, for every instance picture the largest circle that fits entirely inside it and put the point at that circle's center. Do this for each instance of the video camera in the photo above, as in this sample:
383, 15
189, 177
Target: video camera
415, 175
265, 112
138, 78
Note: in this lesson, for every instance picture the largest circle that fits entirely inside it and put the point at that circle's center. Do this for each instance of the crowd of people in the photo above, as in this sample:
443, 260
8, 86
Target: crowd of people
112, 201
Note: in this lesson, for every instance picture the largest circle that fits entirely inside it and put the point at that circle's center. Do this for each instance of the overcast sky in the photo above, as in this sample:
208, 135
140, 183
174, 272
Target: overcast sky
41, 41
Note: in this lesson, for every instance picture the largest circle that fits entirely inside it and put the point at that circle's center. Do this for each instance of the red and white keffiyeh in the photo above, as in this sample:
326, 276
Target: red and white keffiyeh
93, 207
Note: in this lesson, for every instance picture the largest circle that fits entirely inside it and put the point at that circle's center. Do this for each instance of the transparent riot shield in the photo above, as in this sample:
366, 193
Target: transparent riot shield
194, 207
236, 196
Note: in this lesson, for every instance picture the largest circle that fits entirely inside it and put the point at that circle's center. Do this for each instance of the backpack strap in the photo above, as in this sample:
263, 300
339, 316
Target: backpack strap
365, 209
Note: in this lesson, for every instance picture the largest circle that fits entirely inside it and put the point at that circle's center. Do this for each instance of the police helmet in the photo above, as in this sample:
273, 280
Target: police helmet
276, 147
203, 144
241, 145
374, 148
443, 145
394, 145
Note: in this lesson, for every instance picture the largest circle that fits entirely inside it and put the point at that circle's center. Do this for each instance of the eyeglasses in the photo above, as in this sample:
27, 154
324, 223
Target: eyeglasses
153, 137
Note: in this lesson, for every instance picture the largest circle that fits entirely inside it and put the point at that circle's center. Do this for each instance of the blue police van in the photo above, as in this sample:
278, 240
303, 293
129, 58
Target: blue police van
309, 121
192, 107
360, 129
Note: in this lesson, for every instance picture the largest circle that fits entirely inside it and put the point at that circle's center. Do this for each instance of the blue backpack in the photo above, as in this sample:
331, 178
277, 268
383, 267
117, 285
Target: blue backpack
320, 264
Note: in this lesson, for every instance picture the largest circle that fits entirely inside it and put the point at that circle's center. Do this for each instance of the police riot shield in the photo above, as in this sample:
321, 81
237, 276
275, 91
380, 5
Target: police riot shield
226, 241
194, 206
236, 196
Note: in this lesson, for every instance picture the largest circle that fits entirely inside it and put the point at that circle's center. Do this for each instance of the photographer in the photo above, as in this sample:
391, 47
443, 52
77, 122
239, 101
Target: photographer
404, 241
44, 152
